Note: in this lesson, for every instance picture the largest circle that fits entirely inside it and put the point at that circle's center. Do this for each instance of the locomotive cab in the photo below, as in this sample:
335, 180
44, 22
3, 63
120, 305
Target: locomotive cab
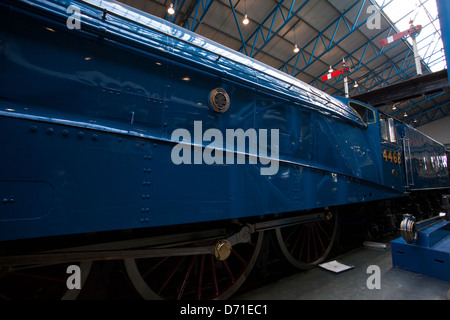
387, 134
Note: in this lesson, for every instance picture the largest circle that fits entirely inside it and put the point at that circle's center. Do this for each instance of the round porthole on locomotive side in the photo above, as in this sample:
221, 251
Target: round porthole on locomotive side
219, 100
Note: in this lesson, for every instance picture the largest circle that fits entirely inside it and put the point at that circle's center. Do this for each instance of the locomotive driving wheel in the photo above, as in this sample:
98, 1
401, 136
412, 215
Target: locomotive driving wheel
307, 244
43, 282
195, 277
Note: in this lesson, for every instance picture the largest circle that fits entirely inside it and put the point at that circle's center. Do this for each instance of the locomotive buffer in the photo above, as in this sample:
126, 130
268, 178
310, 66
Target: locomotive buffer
424, 246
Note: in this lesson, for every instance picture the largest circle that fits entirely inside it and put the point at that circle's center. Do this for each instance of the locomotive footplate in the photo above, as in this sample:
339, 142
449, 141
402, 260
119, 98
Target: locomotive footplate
424, 247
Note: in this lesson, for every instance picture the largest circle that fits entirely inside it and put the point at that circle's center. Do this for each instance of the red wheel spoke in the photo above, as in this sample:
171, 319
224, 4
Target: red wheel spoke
314, 240
185, 280
293, 231
170, 274
300, 254
308, 245
319, 238
156, 265
327, 234
237, 255
200, 278
213, 275
38, 277
2, 297
229, 272
296, 241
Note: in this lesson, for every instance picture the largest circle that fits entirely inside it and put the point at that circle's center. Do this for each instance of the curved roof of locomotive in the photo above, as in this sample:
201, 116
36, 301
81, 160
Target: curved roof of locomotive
176, 41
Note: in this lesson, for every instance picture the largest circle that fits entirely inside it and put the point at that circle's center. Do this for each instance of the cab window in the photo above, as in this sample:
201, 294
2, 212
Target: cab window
387, 129
383, 128
366, 114
392, 131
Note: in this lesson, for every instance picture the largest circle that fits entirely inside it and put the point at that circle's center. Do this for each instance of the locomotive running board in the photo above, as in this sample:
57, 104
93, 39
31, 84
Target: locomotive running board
126, 249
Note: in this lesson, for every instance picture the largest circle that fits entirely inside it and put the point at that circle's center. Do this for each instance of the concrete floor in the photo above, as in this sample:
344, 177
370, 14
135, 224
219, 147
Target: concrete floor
320, 284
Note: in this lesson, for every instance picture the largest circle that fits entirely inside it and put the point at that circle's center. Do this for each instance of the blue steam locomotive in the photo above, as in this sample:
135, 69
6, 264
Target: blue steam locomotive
113, 120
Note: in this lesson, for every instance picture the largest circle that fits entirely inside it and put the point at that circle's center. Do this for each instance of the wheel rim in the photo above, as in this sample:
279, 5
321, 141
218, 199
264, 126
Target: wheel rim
196, 277
41, 282
308, 244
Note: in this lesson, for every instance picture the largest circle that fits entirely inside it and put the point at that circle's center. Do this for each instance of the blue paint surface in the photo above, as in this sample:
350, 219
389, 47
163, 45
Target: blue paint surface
87, 118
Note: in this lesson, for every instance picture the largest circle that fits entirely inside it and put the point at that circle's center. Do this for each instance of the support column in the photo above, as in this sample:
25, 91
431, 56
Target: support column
444, 18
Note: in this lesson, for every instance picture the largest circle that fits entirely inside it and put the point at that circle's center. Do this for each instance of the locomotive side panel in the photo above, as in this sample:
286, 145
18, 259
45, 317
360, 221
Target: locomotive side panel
426, 161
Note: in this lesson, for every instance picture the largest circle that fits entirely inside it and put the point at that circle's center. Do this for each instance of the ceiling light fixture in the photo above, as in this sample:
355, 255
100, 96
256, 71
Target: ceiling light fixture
296, 48
171, 10
355, 85
330, 70
245, 21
